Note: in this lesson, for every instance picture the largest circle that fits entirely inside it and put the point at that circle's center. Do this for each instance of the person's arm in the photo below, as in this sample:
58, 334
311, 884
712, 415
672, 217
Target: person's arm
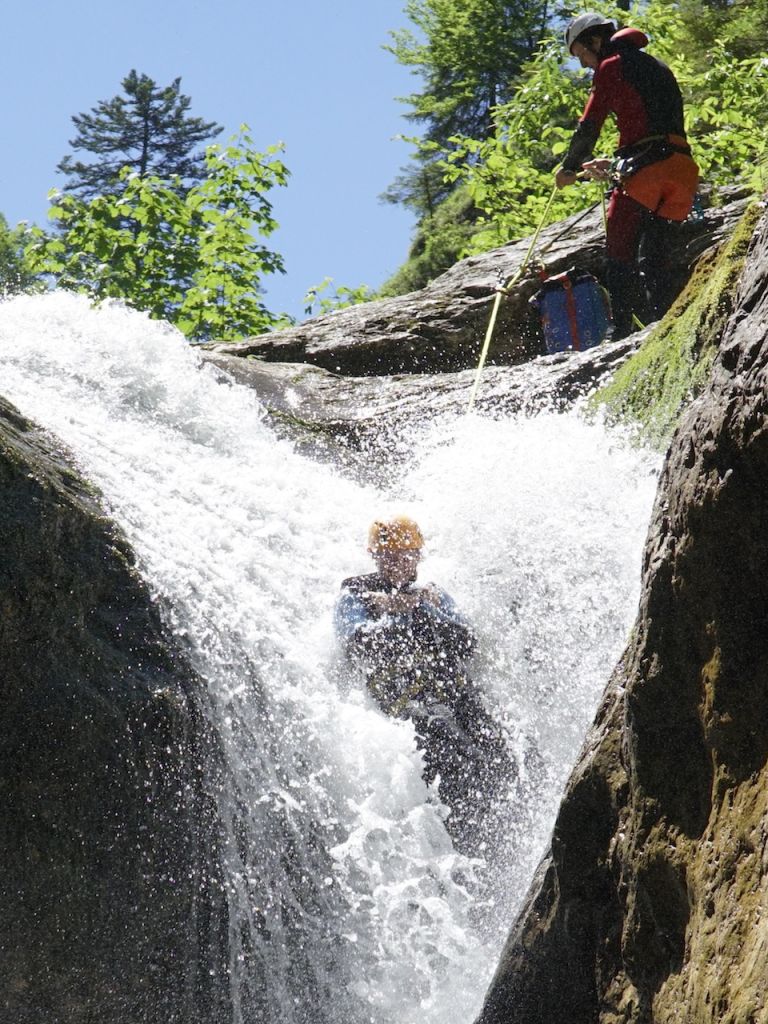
590, 125
579, 151
366, 629
350, 617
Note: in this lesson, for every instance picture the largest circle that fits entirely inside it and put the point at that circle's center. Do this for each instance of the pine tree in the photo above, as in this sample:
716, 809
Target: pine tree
468, 53
148, 129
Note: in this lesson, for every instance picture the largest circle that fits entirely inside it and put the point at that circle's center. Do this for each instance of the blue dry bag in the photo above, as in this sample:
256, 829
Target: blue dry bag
575, 311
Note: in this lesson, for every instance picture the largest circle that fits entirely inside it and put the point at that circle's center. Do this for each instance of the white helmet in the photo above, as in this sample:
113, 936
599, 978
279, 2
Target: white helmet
583, 23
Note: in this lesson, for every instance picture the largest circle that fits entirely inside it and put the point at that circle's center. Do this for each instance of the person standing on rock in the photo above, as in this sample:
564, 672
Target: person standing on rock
412, 646
655, 178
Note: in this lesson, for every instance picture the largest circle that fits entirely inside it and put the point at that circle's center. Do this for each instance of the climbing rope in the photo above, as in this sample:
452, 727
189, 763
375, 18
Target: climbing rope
510, 282
570, 226
497, 301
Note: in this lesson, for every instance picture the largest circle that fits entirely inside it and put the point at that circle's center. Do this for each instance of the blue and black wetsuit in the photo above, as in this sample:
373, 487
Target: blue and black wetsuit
415, 667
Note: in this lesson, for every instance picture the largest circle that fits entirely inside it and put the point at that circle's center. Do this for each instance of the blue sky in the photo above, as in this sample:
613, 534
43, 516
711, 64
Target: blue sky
312, 75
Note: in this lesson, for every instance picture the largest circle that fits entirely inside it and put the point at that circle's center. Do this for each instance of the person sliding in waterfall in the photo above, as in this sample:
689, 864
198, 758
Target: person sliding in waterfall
655, 178
412, 646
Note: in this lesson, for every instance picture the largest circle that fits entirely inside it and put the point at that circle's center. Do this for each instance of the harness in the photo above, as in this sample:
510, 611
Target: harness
650, 150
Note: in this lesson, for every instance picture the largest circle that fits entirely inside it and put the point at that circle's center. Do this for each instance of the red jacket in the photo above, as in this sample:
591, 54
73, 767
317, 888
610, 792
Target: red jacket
638, 89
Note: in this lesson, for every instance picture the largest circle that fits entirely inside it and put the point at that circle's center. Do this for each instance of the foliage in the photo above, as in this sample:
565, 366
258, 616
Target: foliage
16, 274
341, 298
467, 52
509, 174
724, 95
726, 119
149, 130
439, 241
189, 257
742, 25
650, 389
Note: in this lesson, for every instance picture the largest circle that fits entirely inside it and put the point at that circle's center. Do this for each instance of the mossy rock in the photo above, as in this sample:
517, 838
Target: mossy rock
650, 391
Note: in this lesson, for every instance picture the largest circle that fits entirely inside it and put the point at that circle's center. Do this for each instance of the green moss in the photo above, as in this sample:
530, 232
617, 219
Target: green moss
650, 391
288, 419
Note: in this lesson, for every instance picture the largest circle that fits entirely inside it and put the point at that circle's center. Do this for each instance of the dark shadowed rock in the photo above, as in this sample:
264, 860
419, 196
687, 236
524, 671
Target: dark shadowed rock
650, 905
110, 900
442, 327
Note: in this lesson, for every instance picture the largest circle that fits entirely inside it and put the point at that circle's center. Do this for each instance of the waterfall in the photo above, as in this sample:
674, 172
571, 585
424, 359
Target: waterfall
348, 903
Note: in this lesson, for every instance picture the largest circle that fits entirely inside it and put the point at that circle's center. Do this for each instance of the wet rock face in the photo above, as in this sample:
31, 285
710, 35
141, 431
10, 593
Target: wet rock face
108, 888
367, 425
650, 904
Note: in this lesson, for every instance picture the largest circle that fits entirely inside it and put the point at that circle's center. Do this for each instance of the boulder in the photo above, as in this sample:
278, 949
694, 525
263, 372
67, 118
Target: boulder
110, 895
649, 906
442, 327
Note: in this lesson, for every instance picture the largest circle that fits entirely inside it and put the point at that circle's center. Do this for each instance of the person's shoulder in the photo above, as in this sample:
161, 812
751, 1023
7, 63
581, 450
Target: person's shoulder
608, 68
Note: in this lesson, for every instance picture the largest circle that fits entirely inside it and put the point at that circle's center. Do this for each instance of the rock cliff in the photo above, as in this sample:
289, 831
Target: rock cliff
350, 386
650, 905
441, 328
110, 901
367, 425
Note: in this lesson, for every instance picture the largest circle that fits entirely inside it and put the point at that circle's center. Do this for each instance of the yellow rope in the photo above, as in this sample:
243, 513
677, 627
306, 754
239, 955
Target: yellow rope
497, 301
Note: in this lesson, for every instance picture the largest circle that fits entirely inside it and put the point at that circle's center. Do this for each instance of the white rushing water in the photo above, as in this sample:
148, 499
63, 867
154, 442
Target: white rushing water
347, 901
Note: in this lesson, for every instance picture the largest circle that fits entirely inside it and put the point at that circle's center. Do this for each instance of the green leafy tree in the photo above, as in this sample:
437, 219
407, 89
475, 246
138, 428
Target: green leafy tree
724, 87
468, 54
741, 25
509, 175
16, 274
195, 258
149, 129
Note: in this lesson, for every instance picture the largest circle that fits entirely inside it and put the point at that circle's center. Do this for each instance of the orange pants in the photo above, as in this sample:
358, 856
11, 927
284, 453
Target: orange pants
666, 188
641, 212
